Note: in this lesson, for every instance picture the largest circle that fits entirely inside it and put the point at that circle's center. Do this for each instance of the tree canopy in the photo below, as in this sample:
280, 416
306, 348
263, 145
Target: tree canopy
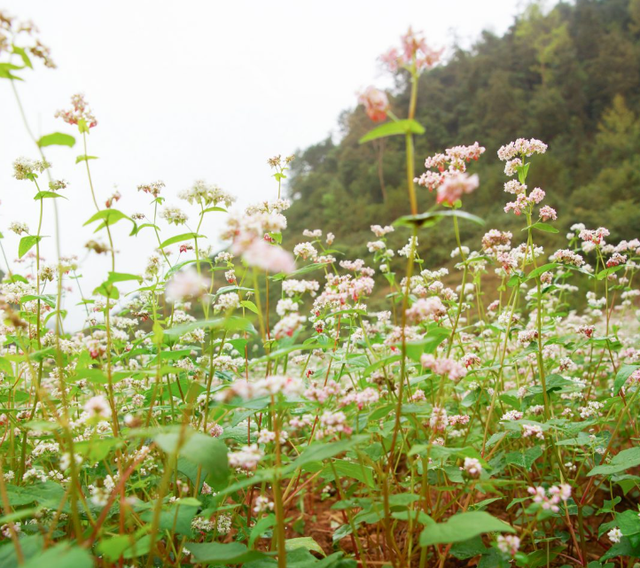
568, 76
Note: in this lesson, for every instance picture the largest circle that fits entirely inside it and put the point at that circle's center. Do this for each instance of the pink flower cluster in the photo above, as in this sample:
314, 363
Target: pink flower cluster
246, 458
251, 239
521, 148
567, 256
269, 386
375, 102
426, 309
449, 179
495, 240
413, 49
340, 290
455, 186
363, 398
509, 544
449, 367
321, 394
186, 284
616, 259
80, 111
532, 430
472, 467
438, 420
455, 158
524, 203
596, 237
548, 213
550, 498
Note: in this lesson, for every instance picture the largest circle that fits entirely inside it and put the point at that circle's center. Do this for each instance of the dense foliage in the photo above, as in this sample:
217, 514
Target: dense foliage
248, 405
570, 77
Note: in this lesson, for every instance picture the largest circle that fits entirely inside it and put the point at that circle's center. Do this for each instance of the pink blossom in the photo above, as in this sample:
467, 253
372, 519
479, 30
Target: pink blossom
534, 430
426, 309
521, 147
413, 48
548, 213
80, 111
509, 544
472, 467
375, 103
455, 186
550, 498
186, 284
449, 367
568, 257
438, 420
596, 237
268, 257
616, 259
98, 407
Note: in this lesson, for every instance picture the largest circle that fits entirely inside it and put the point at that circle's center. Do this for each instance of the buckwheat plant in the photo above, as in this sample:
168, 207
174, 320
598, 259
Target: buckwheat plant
246, 405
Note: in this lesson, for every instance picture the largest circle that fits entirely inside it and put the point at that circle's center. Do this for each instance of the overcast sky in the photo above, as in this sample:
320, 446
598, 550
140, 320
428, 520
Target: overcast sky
198, 90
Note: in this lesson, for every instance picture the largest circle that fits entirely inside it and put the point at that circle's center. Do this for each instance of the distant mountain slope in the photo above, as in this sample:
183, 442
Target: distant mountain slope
569, 77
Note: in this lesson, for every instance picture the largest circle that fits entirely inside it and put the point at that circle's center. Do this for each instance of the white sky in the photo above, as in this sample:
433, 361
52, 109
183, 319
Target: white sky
197, 90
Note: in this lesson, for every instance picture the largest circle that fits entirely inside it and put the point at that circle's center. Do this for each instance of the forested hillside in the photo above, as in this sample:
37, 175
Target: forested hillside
569, 77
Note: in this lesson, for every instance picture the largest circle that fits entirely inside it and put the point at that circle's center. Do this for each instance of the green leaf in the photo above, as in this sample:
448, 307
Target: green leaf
626, 459
99, 449
47, 195
123, 277
84, 158
428, 344
47, 494
108, 290
63, 555
139, 228
303, 542
353, 470
126, 545
250, 306
5, 71
180, 238
522, 172
83, 126
48, 299
57, 139
26, 243
108, 217
215, 552
23, 55
628, 522
524, 459
461, 527
621, 377
541, 270
542, 227
300, 271
622, 548
18, 515
231, 323
494, 559
92, 375
261, 527
395, 128
431, 217
607, 271
323, 450
202, 450
468, 549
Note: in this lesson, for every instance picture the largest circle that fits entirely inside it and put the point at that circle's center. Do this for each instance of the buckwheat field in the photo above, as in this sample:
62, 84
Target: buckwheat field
269, 391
